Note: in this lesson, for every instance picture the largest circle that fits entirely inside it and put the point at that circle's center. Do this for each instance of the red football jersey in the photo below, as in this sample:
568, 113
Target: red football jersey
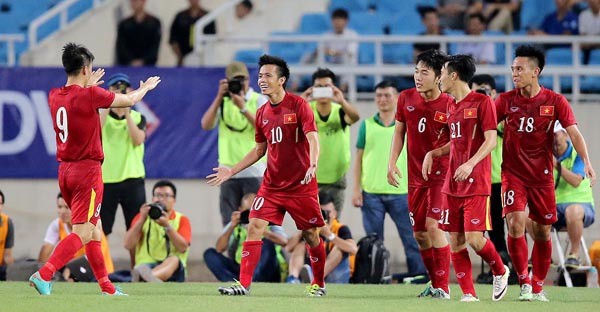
468, 120
76, 122
529, 133
426, 129
283, 127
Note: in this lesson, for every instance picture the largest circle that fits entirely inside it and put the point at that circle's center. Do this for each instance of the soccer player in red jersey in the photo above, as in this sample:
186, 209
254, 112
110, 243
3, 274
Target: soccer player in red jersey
74, 110
285, 127
421, 116
472, 122
530, 112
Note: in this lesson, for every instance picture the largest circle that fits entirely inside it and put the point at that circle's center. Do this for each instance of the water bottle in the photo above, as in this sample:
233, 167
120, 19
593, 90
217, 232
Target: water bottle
592, 277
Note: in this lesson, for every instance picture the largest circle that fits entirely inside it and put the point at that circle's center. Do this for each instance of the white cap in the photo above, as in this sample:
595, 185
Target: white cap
558, 127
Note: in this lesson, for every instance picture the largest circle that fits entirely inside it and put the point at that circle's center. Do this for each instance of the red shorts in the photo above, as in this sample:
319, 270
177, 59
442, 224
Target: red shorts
305, 211
466, 214
425, 202
540, 199
82, 188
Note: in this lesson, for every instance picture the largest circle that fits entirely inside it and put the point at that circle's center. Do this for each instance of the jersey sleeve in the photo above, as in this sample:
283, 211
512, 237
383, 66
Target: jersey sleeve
52, 236
307, 117
259, 136
499, 105
101, 98
185, 229
362, 136
488, 115
400, 108
564, 113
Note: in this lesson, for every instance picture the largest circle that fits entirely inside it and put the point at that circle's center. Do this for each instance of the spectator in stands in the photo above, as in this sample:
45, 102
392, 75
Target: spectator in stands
431, 20
453, 12
341, 52
501, 15
161, 238
372, 193
574, 196
339, 248
561, 22
227, 268
233, 109
138, 37
58, 230
243, 8
333, 116
7, 239
589, 25
180, 36
483, 52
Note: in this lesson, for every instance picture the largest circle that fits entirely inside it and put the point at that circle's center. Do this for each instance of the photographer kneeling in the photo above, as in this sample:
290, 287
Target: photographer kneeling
272, 261
161, 238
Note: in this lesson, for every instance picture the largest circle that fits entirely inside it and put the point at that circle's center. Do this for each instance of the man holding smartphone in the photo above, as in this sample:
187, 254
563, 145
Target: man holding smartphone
333, 116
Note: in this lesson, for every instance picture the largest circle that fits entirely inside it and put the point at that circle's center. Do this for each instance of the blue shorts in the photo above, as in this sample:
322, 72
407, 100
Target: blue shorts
588, 214
178, 275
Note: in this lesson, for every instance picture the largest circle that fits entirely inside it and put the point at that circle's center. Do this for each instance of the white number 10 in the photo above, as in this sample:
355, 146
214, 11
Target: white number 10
62, 124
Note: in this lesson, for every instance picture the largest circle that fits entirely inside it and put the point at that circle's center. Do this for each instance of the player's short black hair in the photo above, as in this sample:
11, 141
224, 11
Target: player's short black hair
340, 13
3, 198
463, 65
426, 9
324, 73
75, 57
482, 79
282, 66
434, 59
533, 53
163, 183
386, 84
248, 4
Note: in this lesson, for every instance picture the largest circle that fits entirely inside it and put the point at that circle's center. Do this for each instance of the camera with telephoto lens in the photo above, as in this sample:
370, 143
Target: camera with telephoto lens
234, 85
245, 217
156, 210
325, 214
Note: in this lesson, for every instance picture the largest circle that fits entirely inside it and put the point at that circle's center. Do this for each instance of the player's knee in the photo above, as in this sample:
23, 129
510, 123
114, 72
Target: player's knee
574, 213
311, 236
422, 239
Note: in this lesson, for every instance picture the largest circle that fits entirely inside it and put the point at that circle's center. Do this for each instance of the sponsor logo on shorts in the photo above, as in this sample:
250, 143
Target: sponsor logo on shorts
265, 121
514, 109
492, 262
549, 216
312, 221
460, 274
245, 254
540, 283
314, 259
440, 272
410, 108
475, 221
522, 276
436, 210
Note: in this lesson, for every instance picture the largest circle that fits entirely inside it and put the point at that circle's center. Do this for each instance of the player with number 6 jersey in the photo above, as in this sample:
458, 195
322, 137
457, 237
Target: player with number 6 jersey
74, 110
285, 127
530, 112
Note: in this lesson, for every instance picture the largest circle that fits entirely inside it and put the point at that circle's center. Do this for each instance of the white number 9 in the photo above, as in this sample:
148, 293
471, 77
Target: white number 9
62, 124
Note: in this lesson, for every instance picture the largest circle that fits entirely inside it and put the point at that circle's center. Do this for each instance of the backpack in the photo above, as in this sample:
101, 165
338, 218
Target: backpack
371, 262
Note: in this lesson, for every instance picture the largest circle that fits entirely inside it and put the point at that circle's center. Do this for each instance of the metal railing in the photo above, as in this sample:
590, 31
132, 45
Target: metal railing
61, 10
10, 40
380, 69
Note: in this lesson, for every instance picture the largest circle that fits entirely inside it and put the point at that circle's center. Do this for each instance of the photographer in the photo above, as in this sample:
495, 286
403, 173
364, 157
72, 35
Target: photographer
272, 262
161, 238
233, 110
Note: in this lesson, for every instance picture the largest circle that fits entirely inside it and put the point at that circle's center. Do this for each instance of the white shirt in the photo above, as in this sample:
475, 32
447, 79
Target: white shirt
482, 52
589, 24
52, 234
350, 48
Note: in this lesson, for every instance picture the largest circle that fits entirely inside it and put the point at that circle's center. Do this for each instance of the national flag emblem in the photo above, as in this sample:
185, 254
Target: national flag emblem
440, 117
546, 110
470, 113
289, 118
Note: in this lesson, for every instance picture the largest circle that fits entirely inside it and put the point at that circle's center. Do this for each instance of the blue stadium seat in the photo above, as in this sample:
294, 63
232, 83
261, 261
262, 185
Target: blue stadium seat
533, 12
349, 5
314, 24
365, 83
560, 56
249, 57
500, 49
292, 52
595, 57
396, 5
432, 3
590, 84
399, 53
366, 23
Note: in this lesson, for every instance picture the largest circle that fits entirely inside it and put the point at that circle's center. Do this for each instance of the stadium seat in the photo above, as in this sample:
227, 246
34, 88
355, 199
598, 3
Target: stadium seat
533, 12
595, 57
249, 57
314, 24
292, 52
500, 51
366, 23
349, 5
560, 56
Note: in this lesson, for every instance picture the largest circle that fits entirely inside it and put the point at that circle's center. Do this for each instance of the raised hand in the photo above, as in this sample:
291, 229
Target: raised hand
150, 83
95, 78
221, 175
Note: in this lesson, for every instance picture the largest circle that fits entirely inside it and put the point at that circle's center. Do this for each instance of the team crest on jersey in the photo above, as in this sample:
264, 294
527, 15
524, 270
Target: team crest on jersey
470, 113
410, 108
440, 117
289, 119
546, 110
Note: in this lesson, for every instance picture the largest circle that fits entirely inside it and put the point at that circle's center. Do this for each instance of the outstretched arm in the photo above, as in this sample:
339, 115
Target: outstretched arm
129, 99
223, 174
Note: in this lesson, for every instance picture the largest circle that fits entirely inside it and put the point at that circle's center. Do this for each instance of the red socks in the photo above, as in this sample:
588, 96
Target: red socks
540, 258
442, 267
429, 261
95, 258
517, 248
63, 253
491, 256
250, 257
317, 262
462, 267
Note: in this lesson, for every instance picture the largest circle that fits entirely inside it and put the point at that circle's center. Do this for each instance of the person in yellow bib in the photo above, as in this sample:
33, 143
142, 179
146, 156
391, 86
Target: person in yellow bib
7, 239
233, 110
333, 117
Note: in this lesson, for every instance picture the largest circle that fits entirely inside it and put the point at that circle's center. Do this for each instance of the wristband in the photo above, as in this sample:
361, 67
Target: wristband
331, 237
244, 110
